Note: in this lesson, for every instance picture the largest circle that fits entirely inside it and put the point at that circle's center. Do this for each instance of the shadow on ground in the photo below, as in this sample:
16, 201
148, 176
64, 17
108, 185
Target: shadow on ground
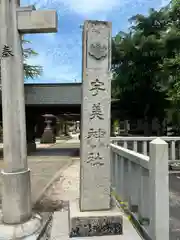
56, 152
48, 205
51, 152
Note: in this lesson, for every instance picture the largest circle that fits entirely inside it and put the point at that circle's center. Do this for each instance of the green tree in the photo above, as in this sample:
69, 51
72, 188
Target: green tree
172, 62
146, 65
30, 71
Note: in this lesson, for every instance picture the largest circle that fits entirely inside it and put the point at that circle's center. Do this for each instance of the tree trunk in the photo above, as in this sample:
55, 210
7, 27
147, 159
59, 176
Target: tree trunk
147, 127
112, 128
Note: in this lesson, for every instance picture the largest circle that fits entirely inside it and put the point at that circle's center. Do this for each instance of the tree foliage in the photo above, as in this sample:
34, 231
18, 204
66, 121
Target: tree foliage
146, 64
30, 71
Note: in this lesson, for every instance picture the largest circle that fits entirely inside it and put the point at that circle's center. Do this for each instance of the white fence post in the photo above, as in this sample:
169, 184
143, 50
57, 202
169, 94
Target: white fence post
126, 181
144, 147
159, 190
135, 146
135, 181
173, 150
144, 203
112, 169
116, 172
121, 177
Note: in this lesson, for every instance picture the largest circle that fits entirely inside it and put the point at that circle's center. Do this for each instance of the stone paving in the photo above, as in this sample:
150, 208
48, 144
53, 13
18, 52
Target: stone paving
57, 197
67, 188
44, 164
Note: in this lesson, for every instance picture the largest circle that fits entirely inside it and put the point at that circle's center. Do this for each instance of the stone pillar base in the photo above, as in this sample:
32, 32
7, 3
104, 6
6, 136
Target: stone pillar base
31, 229
31, 147
48, 136
16, 197
94, 223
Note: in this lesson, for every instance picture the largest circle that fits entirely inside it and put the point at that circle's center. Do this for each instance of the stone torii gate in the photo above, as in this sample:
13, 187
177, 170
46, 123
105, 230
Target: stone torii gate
16, 194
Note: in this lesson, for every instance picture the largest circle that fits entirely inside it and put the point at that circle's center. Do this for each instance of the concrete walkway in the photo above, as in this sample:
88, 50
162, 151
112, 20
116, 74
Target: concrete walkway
66, 189
45, 164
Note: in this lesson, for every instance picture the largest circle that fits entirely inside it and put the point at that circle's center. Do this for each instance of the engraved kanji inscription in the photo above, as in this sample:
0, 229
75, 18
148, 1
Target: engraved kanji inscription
96, 87
96, 112
95, 159
98, 51
6, 52
96, 31
95, 28
97, 134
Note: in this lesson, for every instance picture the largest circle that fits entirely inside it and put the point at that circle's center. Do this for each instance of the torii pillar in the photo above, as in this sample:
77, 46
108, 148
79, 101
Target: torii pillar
14, 21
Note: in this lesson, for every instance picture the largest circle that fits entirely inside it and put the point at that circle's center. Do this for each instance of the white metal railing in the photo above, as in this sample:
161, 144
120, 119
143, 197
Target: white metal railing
141, 145
143, 183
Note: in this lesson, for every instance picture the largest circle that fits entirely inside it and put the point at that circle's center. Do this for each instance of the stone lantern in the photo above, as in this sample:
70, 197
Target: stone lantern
48, 135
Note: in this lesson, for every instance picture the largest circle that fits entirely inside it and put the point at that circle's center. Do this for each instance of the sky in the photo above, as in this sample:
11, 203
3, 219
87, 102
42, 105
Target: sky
60, 54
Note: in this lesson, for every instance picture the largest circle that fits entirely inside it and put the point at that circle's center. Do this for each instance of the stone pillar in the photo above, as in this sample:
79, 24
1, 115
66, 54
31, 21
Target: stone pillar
74, 127
95, 150
62, 127
158, 190
126, 126
77, 126
66, 128
57, 127
17, 221
95, 179
60, 132
16, 192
